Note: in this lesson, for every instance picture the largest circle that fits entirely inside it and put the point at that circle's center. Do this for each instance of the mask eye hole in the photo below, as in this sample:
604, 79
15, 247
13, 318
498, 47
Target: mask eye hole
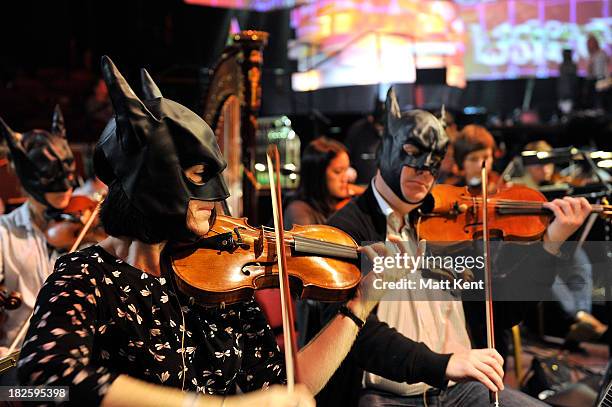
196, 174
411, 149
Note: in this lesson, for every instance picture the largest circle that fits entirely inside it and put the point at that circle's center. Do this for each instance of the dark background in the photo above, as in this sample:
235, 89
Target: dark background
50, 53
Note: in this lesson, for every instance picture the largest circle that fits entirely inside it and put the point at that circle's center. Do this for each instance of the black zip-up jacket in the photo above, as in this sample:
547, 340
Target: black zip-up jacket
380, 349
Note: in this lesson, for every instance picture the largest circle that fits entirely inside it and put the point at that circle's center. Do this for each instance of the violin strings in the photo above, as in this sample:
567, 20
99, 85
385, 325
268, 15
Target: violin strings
506, 201
328, 245
497, 203
322, 248
337, 248
294, 235
516, 204
513, 202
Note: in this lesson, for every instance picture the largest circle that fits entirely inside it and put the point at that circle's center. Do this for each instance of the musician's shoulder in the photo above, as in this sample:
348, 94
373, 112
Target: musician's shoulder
17, 218
81, 270
353, 220
89, 258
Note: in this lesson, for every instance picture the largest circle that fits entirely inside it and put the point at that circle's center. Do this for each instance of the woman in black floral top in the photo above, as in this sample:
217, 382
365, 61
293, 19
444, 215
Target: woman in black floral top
111, 317
109, 322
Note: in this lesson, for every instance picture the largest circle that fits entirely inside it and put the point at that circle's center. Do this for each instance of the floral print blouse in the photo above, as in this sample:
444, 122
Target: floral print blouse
97, 317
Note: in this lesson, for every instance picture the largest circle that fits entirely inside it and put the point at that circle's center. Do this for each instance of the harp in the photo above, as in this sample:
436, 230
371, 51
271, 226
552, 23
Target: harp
231, 107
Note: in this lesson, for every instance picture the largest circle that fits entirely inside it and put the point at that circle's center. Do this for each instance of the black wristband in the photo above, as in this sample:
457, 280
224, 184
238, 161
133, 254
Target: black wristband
346, 311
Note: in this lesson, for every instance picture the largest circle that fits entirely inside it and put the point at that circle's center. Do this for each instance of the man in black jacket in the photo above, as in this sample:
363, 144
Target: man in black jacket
396, 346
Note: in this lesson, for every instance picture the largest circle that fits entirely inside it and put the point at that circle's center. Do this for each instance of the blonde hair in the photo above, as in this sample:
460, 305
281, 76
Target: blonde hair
538, 145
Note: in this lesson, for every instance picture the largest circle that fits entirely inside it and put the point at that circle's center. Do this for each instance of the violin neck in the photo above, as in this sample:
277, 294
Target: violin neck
538, 210
312, 246
524, 211
597, 208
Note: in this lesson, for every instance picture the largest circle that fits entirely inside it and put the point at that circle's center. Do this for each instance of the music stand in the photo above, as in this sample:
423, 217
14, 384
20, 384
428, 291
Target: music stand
427, 76
430, 76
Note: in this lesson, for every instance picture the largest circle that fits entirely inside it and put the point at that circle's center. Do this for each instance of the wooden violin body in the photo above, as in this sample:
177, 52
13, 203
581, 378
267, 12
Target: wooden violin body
236, 259
514, 213
62, 233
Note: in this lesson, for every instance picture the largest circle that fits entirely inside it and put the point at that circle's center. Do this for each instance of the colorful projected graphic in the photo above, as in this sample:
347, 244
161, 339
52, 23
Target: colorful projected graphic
257, 5
355, 42
342, 43
508, 39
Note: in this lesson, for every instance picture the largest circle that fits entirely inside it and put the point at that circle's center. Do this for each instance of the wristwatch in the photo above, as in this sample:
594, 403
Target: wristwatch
346, 311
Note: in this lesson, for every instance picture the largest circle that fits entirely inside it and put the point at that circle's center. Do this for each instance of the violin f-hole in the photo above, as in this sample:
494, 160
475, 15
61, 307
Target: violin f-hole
494, 234
259, 243
253, 267
469, 226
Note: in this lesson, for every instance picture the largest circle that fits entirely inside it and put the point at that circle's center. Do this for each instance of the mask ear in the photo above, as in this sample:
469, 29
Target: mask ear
10, 136
443, 116
393, 111
129, 109
149, 88
57, 126
13, 141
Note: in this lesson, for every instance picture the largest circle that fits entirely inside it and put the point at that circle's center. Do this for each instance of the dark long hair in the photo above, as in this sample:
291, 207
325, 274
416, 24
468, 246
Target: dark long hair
120, 218
313, 180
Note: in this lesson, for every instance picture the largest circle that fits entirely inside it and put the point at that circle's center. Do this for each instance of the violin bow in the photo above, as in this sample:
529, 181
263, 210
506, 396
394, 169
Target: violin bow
86, 227
285, 293
493, 396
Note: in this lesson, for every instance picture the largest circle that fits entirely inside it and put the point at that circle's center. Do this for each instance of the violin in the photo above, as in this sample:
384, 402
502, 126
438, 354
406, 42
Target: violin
495, 182
320, 262
514, 213
459, 214
65, 228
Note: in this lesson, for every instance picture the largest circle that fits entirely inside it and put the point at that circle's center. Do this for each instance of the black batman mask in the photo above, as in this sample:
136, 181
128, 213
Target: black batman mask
43, 160
147, 147
418, 128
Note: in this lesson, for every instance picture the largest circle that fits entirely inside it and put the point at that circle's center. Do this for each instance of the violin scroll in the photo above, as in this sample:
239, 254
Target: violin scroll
9, 300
